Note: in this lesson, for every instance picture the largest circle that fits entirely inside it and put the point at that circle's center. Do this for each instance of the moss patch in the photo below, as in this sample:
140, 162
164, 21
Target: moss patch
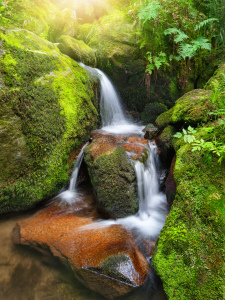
50, 97
113, 178
77, 50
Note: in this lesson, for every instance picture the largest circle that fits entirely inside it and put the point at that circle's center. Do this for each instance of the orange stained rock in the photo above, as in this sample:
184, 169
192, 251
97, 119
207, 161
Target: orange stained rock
137, 139
80, 241
136, 148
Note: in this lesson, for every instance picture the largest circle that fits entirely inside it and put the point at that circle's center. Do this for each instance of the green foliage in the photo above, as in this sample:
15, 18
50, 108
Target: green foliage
186, 134
150, 11
205, 23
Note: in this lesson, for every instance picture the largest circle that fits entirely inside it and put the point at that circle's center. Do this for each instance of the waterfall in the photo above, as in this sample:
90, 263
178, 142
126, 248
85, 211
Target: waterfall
153, 206
71, 195
110, 103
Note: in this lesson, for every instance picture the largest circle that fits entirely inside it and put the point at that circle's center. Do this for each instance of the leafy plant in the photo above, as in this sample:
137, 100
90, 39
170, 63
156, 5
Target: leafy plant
186, 134
149, 12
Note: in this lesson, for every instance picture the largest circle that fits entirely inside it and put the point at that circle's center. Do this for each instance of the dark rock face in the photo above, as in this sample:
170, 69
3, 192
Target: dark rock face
103, 258
171, 186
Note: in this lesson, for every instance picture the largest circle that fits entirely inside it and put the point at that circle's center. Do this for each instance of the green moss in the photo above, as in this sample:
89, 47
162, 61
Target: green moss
77, 50
193, 107
164, 119
189, 256
113, 178
166, 136
49, 97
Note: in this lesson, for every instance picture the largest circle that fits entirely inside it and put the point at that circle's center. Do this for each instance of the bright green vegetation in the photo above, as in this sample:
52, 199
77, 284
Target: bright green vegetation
189, 256
113, 178
46, 113
77, 50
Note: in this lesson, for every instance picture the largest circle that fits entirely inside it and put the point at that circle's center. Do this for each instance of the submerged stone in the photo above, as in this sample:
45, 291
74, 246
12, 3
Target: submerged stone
104, 258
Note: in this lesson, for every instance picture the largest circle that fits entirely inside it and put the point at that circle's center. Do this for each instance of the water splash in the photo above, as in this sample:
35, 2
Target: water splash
153, 207
71, 195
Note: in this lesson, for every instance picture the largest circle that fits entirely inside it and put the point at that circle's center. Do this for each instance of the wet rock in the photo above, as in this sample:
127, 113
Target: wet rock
171, 186
112, 171
151, 133
103, 258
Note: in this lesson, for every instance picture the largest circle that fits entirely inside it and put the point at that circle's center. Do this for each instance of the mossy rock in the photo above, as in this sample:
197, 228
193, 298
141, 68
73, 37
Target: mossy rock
164, 119
193, 107
189, 255
114, 181
218, 79
47, 111
77, 50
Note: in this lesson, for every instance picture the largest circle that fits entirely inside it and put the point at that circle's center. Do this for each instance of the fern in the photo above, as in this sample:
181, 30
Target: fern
186, 50
180, 36
172, 30
205, 22
149, 12
201, 43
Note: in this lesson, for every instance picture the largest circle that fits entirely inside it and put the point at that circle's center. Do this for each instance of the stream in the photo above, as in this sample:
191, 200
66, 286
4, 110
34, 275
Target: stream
28, 274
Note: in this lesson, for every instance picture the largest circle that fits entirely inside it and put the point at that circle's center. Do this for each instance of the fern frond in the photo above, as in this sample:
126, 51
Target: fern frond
149, 12
186, 50
201, 43
180, 37
205, 22
172, 30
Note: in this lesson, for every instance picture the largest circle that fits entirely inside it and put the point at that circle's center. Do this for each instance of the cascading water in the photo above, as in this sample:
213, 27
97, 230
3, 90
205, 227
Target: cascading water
112, 116
152, 203
71, 195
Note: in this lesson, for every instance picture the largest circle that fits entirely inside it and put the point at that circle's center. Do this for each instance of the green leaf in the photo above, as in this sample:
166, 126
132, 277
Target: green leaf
178, 135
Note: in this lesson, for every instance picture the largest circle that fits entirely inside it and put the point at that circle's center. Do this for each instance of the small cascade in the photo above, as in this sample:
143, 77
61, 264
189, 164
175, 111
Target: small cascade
153, 207
112, 116
71, 195
110, 103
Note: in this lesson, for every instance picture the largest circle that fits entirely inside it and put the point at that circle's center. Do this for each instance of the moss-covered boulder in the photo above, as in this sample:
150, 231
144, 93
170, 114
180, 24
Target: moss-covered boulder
46, 112
191, 109
189, 255
190, 250
77, 50
112, 175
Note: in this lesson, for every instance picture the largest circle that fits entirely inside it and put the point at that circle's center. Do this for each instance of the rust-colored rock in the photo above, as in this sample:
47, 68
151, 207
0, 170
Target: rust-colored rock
104, 258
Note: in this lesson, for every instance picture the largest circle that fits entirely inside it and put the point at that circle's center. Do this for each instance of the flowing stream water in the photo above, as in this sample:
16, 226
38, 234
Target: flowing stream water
26, 274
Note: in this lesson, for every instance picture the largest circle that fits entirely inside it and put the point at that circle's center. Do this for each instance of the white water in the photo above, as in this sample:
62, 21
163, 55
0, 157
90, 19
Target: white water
153, 207
71, 195
152, 203
112, 116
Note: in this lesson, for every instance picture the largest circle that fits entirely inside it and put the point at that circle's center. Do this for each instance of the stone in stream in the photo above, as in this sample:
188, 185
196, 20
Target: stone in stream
112, 171
103, 258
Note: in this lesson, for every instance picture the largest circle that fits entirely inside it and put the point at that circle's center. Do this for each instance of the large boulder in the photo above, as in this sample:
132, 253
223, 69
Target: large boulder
77, 50
46, 112
190, 251
104, 258
112, 172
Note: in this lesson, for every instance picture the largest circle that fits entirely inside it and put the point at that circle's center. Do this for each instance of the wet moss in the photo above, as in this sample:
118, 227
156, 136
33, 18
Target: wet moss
113, 178
50, 97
